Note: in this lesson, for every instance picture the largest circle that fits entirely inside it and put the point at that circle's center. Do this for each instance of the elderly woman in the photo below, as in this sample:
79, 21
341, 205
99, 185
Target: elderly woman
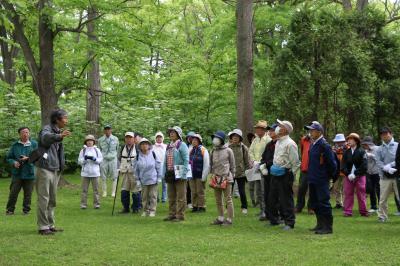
222, 169
200, 163
90, 158
175, 169
354, 166
148, 171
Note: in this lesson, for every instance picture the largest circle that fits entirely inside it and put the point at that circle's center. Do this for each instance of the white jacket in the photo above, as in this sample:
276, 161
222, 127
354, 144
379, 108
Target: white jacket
90, 168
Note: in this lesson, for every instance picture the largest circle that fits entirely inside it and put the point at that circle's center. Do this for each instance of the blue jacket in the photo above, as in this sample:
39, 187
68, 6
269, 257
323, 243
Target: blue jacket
148, 168
181, 157
322, 163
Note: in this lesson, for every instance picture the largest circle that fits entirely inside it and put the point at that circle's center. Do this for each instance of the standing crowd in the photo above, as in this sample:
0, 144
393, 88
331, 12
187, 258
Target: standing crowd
184, 167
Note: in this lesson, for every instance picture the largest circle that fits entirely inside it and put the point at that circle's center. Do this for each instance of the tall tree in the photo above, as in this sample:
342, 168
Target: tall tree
8, 54
94, 86
244, 49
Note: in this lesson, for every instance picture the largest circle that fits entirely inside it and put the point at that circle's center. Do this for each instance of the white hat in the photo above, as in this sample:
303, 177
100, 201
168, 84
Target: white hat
130, 134
285, 124
144, 140
159, 134
237, 132
339, 138
198, 136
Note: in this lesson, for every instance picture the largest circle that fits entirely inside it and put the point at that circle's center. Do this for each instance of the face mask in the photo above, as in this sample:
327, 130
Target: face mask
216, 142
277, 130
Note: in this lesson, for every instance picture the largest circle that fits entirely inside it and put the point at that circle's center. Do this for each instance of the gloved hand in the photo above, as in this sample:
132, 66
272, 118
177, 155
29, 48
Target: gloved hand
351, 177
387, 167
264, 169
392, 170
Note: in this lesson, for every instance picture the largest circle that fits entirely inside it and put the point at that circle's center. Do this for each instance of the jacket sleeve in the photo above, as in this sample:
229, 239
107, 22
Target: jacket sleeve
232, 166
379, 159
81, 160
330, 160
294, 158
343, 166
246, 158
47, 137
11, 158
362, 169
206, 165
184, 151
252, 152
99, 158
158, 168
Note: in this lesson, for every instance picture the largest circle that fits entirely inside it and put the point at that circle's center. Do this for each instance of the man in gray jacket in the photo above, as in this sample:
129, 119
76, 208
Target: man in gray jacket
49, 165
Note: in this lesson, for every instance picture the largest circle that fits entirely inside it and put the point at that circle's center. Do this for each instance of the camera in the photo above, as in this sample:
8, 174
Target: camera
21, 162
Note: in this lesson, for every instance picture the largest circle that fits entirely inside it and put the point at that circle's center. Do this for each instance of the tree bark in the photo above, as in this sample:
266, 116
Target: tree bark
347, 5
94, 86
8, 54
361, 4
244, 15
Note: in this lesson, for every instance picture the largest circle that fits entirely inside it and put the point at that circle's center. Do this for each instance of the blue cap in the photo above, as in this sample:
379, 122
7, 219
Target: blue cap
219, 134
314, 126
272, 127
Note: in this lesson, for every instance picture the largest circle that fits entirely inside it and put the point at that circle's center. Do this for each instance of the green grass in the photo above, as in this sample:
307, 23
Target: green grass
94, 237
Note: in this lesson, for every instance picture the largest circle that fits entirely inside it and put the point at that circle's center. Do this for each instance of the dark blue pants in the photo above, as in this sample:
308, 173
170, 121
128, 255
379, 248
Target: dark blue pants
319, 198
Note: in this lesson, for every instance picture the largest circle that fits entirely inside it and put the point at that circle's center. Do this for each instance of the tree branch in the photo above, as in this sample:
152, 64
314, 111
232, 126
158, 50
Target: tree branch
79, 28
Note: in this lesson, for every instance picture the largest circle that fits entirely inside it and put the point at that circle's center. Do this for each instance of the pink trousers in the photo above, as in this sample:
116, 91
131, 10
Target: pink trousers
359, 185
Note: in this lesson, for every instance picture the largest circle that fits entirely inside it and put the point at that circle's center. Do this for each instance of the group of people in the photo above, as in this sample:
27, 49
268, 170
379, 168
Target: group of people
184, 167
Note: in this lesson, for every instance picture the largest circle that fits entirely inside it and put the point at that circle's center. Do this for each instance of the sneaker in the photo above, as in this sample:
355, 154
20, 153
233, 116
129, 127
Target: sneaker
97, 207
217, 222
152, 214
227, 223
83, 207
144, 214
397, 213
56, 230
372, 210
104, 194
9, 213
190, 206
169, 218
46, 232
244, 211
287, 228
112, 195
382, 220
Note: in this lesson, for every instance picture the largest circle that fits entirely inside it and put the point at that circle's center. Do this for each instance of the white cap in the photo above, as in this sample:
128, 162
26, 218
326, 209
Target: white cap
130, 134
286, 124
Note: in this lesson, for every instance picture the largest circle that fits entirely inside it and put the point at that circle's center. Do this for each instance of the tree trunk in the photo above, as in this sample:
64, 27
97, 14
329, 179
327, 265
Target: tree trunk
94, 87
347, 5
46, 88
8, 54
362, 4
244, 15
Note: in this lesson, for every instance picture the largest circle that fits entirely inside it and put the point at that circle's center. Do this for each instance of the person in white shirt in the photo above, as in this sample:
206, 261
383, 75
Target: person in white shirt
160, 148
90, 158
286, 163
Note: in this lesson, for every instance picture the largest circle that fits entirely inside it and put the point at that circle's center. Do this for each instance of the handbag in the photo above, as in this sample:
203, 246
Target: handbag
218, 182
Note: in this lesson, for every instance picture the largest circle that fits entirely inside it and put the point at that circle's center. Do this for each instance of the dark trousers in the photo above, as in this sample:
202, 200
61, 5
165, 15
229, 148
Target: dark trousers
267, 187
241, 181
398, 189
188, 194
15, 188
302, 191
280, 198
319, 198
373, 189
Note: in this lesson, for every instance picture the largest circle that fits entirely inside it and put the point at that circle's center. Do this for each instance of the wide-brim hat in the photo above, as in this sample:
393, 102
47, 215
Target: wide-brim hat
144, 140
219, 134
261, 124
178, 131
190, 135
339, 138
89, 137
236, 132
368, 140
198, 136
286, 124
354, 136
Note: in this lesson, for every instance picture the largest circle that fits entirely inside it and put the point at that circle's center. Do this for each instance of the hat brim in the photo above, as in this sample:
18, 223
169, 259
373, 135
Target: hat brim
216, 136
339, 140
200, 140
353, 137
86, 140
171, 129
233, 134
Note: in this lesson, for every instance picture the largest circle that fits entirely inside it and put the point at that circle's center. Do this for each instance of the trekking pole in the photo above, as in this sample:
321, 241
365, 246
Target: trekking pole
116, 189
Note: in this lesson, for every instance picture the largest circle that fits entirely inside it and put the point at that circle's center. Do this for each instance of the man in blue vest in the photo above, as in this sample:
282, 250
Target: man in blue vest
322, 166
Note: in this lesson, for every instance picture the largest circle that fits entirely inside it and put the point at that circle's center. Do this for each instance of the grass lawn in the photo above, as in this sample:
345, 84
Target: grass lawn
94, 237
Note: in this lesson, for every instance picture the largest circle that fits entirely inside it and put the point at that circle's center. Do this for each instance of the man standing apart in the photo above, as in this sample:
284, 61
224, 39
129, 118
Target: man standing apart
48, 169
108, 145
22, 172
322, 165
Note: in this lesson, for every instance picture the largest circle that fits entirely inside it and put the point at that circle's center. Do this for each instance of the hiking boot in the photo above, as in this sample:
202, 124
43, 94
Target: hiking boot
217, 222
9, 213
327, 222
46, 232
56, 230
227, 223
319, 224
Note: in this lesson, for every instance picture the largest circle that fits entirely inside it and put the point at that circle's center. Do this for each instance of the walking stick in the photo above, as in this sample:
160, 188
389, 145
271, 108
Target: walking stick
116, 189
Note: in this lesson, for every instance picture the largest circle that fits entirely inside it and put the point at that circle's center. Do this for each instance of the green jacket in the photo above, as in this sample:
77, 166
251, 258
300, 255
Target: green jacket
242, 159
16, 150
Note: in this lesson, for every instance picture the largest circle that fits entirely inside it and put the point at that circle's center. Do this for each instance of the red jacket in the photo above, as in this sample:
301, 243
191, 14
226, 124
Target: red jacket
305, 144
